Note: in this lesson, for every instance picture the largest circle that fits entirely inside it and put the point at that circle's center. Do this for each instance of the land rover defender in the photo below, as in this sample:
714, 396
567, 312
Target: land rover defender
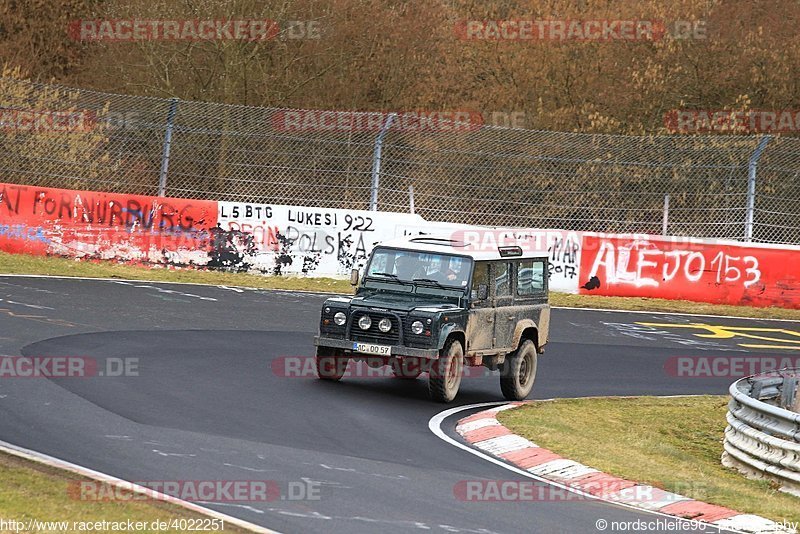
435, 305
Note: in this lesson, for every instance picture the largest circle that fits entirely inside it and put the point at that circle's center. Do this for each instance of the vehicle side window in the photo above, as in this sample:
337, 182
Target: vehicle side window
530, 277
480, 277
502, 280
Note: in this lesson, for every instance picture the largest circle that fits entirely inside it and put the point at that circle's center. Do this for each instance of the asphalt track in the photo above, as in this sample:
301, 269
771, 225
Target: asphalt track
210, 403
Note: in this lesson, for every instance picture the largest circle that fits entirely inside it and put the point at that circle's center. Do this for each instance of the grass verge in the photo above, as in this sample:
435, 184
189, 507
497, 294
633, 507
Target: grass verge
32, 491
24, 264
671, 443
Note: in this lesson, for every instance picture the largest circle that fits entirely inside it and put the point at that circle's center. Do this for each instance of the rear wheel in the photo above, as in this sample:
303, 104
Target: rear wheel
445, 375
330, 365
519, 371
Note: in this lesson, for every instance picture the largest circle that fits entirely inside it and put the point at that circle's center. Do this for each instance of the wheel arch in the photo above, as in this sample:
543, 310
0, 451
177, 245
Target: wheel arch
452, 330
526, 329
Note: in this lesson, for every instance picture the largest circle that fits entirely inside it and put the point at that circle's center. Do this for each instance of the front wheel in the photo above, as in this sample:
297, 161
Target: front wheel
445, 375
330, 366
519, 372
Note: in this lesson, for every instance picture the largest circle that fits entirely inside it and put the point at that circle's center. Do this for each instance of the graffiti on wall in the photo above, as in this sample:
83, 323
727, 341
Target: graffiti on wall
86, 224
280, 239
690, 270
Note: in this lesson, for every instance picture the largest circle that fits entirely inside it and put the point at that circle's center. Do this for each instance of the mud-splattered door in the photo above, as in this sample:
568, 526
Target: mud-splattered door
480, 325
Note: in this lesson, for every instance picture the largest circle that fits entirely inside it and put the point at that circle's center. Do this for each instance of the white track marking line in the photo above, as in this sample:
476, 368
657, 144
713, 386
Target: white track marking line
435, 426
213, 286
34, 306
232, 287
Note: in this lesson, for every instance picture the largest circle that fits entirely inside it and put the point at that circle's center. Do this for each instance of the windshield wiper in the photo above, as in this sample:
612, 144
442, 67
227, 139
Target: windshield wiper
390, 275
430, 281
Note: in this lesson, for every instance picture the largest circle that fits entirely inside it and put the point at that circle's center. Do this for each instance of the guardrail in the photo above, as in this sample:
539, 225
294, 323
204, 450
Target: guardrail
713, 186
762, 439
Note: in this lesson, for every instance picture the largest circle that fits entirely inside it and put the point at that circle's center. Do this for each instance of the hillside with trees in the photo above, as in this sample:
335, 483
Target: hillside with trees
409, 55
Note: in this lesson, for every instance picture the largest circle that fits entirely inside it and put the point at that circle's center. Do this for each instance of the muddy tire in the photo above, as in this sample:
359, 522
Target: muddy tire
330, 366
407, 368
446, 372
519, 372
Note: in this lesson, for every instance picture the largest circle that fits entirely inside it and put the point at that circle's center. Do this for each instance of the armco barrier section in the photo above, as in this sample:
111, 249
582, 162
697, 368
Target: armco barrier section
283, 239
762, 439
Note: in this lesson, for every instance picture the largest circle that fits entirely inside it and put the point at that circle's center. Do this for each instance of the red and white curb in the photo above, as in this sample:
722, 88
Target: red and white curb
484, 432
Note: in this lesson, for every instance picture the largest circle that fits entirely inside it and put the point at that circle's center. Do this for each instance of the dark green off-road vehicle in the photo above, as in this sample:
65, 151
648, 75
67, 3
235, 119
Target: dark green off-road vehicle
436, 305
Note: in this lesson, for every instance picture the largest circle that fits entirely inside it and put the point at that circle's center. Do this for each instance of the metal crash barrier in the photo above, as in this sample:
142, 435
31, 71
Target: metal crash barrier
762, 439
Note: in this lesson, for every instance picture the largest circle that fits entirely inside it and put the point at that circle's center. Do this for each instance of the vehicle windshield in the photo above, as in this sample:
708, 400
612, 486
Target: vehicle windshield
423, 268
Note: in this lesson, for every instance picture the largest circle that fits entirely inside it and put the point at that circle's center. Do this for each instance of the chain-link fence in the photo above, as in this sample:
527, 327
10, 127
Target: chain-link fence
732, 187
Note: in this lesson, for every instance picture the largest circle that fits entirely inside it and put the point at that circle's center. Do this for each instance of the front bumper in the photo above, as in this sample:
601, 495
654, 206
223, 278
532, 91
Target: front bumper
397, 350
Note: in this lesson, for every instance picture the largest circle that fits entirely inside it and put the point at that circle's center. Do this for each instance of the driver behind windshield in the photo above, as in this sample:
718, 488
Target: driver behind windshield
446, 273
408, 268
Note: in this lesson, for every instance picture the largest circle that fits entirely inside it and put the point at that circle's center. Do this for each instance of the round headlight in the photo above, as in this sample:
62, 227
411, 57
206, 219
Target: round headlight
417, 327
340, 318
365, 322
385, 325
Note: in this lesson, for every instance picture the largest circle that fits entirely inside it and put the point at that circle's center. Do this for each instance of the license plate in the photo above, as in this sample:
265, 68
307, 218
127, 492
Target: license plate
369, 348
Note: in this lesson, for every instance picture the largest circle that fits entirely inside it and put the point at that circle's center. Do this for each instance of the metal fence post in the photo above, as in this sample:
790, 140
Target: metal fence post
411, 199
751, 187
376, 163
665, 221
162, 178
788, 391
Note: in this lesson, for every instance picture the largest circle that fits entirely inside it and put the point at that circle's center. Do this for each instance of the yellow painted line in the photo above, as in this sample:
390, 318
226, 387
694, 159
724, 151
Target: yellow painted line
780, 347
730, 332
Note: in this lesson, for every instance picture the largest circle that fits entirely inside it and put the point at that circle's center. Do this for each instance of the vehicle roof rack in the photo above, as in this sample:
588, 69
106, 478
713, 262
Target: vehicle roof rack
438, 241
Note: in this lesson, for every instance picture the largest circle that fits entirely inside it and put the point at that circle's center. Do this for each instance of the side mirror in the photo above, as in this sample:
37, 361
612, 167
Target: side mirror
354, 277
483, 291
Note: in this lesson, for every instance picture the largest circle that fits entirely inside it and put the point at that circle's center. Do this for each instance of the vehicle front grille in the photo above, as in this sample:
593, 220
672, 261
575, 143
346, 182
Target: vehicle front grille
373, 335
